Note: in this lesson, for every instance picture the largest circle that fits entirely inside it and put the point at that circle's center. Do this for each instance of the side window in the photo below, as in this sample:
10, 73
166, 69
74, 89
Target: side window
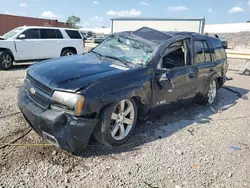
202, 52
73, 34
48, 33
59, 34
208, 57
199, 52
32, 34
220, 53
175, 56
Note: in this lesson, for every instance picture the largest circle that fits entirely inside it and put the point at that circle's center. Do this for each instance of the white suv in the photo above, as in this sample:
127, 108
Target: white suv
30, 43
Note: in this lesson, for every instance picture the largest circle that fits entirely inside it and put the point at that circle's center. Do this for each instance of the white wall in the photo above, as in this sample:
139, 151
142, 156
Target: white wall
227, 28
106, 31
162, 25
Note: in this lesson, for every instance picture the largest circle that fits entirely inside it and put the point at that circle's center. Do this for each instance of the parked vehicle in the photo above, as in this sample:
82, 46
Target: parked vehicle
223, 40
38, 43
127, 77
95, 39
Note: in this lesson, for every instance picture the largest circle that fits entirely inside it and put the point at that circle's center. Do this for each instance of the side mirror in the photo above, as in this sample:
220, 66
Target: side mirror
22, 36
165, 83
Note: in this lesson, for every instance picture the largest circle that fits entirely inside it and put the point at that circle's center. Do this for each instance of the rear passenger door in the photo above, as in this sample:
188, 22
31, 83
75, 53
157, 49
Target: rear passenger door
74, 40
51, 42
204, 62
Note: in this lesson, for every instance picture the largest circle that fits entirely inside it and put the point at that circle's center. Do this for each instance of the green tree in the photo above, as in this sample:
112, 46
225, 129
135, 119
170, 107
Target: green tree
74, 21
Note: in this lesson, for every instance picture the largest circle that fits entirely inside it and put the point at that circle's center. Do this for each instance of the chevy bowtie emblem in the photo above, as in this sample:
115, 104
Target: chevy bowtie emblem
32, 91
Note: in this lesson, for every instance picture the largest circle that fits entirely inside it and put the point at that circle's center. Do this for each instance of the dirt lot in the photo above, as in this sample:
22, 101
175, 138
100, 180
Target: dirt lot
240, 38
192, 146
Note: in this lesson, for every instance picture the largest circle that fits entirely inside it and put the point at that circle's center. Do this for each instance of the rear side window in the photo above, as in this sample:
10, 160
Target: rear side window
73, 34
59, 34
208, 57
32, 34
202, 52
219, 51
49, 34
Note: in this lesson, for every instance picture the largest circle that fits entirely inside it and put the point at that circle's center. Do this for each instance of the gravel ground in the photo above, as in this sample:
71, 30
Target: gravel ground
190, 146
240, 38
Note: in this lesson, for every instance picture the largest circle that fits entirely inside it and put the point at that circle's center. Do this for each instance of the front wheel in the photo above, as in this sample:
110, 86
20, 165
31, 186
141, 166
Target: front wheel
6, 60
116, 123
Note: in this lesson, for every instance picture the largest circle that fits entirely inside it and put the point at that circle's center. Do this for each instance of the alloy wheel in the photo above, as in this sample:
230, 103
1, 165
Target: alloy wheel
212, 92
122, 119
6, 60
68, 54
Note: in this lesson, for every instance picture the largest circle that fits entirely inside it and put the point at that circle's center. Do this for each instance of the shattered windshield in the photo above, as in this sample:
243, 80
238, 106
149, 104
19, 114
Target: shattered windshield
12, 33
126, 50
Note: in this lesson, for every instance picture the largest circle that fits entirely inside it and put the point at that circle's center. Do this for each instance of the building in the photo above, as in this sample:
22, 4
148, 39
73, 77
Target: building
161, 24
9, 22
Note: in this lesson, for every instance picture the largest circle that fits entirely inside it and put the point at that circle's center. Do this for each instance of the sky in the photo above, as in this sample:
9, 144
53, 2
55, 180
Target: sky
97, 13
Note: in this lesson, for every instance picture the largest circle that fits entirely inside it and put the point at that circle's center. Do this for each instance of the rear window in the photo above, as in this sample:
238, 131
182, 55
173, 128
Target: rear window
219, 51
50, 34
73, 34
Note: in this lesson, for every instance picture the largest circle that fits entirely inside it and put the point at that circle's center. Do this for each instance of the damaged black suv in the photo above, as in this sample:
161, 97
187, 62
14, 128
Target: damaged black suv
126, 77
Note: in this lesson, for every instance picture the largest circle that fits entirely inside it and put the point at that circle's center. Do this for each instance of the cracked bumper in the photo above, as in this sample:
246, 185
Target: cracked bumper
66, 131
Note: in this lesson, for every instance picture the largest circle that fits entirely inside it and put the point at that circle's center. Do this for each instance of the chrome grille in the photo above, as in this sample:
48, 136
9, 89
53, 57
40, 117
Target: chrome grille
39, 85
38, 92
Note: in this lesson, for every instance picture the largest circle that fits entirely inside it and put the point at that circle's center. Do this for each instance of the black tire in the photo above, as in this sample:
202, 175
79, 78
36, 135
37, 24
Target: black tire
102, 132
6, 60
68, 52
205, 99
246, 72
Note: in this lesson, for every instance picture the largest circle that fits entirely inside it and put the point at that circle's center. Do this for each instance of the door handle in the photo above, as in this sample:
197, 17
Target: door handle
59, 42
191, 75
38, 42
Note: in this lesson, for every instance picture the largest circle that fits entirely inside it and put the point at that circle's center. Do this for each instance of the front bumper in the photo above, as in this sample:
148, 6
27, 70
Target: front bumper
66, 131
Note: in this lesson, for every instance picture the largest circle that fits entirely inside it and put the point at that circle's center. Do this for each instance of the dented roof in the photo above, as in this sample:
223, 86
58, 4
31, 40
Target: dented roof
154, 36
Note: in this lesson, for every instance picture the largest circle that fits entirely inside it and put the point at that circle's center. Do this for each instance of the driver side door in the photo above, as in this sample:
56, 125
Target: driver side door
30, 46
175, 78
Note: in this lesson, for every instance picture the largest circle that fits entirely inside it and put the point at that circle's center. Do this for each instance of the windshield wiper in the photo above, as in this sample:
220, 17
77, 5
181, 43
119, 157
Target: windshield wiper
98, 54
127, 63
124, 62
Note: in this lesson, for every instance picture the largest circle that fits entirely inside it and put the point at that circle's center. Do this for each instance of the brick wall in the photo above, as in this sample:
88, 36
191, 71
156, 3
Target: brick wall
9, 22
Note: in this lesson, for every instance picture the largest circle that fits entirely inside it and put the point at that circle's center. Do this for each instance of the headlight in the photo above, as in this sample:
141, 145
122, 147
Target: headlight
68, 101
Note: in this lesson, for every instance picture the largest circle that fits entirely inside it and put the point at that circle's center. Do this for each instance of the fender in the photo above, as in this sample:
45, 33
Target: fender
8, 50
101, 93
143, 95
136, 91
215, 75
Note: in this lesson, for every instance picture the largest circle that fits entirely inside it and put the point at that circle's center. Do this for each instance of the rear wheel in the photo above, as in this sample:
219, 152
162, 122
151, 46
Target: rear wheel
68, 53
116, 123
211, 94
6, 60
246, 72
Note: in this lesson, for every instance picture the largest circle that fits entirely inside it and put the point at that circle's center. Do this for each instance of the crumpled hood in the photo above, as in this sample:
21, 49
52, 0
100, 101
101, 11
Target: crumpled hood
74, 72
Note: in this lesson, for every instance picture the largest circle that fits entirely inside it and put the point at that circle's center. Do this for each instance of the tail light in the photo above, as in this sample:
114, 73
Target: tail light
83, 43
